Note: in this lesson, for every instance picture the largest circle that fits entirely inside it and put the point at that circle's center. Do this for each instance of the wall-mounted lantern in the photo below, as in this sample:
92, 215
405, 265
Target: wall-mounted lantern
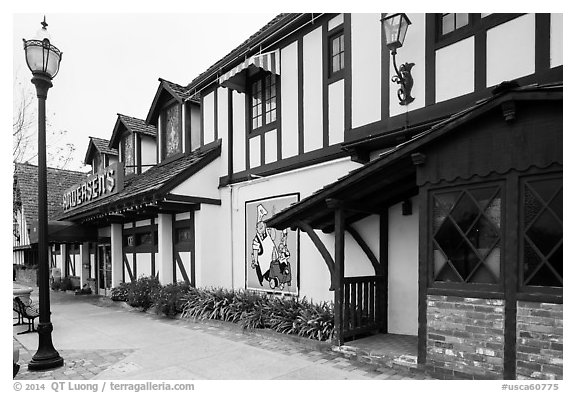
395, 28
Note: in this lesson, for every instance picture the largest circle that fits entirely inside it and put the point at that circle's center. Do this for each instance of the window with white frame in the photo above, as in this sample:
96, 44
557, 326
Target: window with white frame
263, 95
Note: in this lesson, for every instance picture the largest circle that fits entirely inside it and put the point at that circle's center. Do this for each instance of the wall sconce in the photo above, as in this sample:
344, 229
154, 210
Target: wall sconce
395, 27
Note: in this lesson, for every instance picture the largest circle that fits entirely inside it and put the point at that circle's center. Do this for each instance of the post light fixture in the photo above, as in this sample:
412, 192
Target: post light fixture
43, 59
395, 28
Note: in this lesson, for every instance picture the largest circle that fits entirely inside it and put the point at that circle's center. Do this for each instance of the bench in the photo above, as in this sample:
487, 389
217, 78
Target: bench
26, 311
16, 309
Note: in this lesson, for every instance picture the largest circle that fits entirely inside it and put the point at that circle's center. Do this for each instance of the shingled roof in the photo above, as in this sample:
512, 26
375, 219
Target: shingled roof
189, 92
181, 92
274, 25
154, 183
396, 165
131, 124
100, 145
58, 180
166, 91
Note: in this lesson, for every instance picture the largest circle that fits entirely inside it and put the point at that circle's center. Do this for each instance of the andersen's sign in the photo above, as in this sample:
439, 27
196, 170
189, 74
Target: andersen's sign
107, 182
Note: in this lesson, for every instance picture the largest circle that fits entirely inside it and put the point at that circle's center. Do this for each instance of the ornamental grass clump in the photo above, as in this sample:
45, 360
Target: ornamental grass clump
260, 311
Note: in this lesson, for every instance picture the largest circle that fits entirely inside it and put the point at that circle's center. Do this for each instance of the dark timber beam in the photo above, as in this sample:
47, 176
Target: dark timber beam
321, 249
339, 275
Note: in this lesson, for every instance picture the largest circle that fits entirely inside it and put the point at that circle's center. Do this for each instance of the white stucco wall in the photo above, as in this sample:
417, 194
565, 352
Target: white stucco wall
314, 275
185, 257
255, 151
270, 146
208, 117
455, 70
223, 128
556, 40
143, 265
289, 102
356, 261
510, 50
165, 258
403, 270
239, 122
203, 183
148, 145
366, 53
312, 53
130, 259
212, 230
336, 112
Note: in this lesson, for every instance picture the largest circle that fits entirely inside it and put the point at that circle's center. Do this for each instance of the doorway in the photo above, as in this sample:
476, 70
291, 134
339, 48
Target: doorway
104, 269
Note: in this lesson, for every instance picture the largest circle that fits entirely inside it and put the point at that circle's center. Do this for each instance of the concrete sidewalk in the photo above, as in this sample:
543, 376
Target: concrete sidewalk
99, 339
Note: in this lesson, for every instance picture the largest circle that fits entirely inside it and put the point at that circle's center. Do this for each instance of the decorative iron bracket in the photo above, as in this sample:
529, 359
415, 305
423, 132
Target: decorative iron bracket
404, 78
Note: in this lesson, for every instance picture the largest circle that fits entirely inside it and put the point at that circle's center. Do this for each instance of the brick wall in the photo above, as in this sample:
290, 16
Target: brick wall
539, 345
465, 337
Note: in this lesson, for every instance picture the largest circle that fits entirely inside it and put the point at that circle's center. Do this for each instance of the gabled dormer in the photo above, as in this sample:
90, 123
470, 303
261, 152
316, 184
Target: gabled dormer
136, 144
176, 114
99, 155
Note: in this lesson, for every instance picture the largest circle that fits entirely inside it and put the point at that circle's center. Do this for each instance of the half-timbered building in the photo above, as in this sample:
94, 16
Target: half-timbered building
424, 200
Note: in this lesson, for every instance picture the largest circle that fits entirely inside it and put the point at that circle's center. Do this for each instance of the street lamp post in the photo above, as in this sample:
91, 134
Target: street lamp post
43, 59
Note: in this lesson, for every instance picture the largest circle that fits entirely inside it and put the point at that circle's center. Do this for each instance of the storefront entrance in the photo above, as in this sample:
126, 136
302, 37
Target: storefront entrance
104, 269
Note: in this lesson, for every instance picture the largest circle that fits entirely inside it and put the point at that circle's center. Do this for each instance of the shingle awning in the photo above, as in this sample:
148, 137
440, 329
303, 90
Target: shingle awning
65, 232
235, 79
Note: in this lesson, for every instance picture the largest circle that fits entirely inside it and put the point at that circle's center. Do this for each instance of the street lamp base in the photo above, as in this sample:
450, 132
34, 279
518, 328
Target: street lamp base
45, 364
46, 356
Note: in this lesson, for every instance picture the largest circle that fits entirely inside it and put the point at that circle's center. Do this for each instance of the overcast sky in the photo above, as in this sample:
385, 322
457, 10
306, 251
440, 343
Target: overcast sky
112, 61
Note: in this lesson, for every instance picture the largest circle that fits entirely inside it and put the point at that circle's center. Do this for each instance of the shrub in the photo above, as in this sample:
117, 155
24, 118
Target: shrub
56, 285
170, 299
66, 284
120, 292
139, 292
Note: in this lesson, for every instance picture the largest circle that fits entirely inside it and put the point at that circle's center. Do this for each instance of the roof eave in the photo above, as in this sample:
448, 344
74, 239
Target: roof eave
116, 134
89, 153
152, 117
289, 216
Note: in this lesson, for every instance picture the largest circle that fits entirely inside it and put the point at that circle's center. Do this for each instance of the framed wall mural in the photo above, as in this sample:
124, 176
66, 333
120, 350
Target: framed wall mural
272, 256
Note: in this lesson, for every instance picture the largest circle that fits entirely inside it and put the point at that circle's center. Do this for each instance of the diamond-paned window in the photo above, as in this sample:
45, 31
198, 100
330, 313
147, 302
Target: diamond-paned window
467, 235
542, 232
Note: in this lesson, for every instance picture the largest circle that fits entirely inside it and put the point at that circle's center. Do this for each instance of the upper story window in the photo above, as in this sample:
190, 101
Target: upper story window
171, 131
128, 154
451, 22
453, 27
263, 94
336, 53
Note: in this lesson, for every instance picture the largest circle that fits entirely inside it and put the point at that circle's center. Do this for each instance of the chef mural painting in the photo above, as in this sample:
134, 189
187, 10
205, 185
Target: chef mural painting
271, 255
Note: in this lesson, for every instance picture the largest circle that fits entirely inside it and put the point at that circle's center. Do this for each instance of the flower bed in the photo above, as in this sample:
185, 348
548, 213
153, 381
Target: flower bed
250, 310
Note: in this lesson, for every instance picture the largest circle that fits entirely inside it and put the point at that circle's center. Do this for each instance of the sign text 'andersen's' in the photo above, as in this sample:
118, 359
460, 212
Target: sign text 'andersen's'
107, 182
